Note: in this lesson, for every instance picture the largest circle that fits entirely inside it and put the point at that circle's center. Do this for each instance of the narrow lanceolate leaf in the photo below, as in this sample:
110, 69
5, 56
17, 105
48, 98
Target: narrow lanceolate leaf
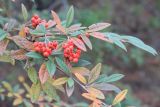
24, 12
43, 74
62, 65
111, 78
70, 82
98, 27
19, 54
101, 36
60, 81
56, 18
138, 43
114, 77
34, 55
50, 90
3, 34
70, 16
94, 74
3, 45
35, 92
69, 90
81, 78
119, 97
87, 41
79, 43
116, 40
51, 67
32, 74
106, 87
22, 42
95, 92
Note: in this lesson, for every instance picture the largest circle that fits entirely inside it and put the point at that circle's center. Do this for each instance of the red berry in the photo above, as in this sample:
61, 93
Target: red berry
75, 60
37, 49
45, 54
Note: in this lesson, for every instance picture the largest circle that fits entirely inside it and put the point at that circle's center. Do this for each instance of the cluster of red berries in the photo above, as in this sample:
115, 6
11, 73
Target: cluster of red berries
45, 49
36, 20
71, 52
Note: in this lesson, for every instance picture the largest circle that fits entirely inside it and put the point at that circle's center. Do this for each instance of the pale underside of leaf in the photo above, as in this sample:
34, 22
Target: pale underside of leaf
100, 36
56, 18
98, 27
79, 43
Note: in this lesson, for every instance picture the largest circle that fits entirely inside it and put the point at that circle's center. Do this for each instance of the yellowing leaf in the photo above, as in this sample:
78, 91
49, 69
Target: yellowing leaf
95, 72
56, 18
22, 32
3, 45
95, 92
89, 96
35, 91
43, 74
60, 81
79, 43
17, 101
119, 97
80, 70
80, 78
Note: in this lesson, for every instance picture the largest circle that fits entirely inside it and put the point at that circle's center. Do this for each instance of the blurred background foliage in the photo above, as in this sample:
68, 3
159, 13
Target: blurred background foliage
140, 18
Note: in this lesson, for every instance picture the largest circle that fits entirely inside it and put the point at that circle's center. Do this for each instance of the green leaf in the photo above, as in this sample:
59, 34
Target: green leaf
111, 78
69, 90
3, 34
35, 91
116, 40
94, 74
24, 12
40, 30
34, 55
87, 41
138, 43
70, 82
82, 63
70, 16
62, 65
32, 74
50, 91
51, 67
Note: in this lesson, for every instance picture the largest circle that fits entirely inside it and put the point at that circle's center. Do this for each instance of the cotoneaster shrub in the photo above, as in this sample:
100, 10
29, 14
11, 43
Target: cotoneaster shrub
55, 47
